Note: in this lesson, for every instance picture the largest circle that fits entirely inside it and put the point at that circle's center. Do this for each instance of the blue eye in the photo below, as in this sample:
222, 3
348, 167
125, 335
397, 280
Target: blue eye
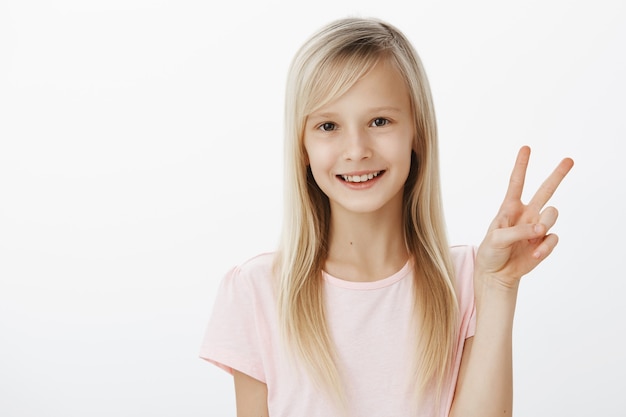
379, 122
327, 126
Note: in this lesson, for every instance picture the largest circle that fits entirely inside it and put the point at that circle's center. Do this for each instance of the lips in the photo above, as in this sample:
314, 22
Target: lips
360, 177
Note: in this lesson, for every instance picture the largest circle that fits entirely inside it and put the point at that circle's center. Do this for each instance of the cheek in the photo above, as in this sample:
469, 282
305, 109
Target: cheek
312, 161
319, 175
317, 158
403, 152
319, 172
405, 156
310, 152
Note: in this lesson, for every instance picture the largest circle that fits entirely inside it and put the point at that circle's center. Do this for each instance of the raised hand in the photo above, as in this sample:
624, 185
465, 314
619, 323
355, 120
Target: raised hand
517, 240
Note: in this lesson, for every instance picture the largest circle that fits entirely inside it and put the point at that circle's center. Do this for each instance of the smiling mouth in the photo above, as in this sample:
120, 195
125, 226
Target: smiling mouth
360, 178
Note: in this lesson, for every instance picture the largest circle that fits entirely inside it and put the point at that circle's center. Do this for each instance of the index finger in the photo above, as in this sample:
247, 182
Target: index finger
518, 176
549, 186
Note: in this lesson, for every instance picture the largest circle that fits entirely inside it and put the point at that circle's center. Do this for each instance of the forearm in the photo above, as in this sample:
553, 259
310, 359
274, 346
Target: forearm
485, 385
516, 242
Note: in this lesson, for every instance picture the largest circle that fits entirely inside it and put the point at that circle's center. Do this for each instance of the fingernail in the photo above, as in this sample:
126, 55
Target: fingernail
537, 255
537, 228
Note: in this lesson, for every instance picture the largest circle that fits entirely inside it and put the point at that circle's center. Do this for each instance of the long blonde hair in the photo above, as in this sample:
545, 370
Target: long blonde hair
324, 68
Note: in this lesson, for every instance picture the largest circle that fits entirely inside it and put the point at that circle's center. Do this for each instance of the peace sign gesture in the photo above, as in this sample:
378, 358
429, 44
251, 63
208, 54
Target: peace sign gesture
517, 239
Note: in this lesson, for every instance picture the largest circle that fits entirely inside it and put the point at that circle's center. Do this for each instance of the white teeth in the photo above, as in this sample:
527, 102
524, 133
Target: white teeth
360, 178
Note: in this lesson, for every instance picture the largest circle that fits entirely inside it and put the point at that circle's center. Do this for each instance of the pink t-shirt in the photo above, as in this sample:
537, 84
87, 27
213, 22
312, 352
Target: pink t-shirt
369, 324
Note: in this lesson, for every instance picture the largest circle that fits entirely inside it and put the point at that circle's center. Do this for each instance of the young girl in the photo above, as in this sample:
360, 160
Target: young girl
365, 310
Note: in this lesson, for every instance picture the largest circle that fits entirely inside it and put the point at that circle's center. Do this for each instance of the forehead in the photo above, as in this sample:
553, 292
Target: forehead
380, 87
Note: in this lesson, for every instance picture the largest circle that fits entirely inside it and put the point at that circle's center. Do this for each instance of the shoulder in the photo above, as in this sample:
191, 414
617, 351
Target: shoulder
259, 265
252, 274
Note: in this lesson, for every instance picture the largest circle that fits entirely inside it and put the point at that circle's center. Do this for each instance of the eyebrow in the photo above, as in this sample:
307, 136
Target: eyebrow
385, 108
371, 110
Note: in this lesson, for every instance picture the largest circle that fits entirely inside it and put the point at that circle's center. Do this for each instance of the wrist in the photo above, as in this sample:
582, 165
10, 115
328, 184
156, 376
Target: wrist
496, 282
495, 295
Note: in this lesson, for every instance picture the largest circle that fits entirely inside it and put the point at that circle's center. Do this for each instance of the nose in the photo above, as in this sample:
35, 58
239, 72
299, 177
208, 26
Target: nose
357, 145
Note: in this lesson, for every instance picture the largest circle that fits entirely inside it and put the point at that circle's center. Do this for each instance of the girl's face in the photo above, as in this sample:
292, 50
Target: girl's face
359, 145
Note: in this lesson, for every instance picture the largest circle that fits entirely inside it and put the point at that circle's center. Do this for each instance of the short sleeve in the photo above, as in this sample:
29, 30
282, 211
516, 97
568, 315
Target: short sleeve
464, 257
472, 325
231, 340
471, 328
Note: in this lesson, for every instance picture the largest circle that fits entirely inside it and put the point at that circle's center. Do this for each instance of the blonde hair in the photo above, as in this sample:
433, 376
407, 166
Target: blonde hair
324, 68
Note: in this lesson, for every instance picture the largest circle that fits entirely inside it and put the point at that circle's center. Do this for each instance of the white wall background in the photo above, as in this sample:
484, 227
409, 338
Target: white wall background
140, 158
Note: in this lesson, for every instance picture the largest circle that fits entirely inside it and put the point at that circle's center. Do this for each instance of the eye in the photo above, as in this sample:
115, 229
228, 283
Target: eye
327, 126
379, 122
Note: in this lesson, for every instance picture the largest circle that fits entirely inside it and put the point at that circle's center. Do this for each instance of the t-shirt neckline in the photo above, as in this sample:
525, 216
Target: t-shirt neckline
369, 285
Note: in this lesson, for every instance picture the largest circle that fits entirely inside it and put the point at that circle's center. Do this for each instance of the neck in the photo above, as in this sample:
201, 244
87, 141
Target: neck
366, 246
